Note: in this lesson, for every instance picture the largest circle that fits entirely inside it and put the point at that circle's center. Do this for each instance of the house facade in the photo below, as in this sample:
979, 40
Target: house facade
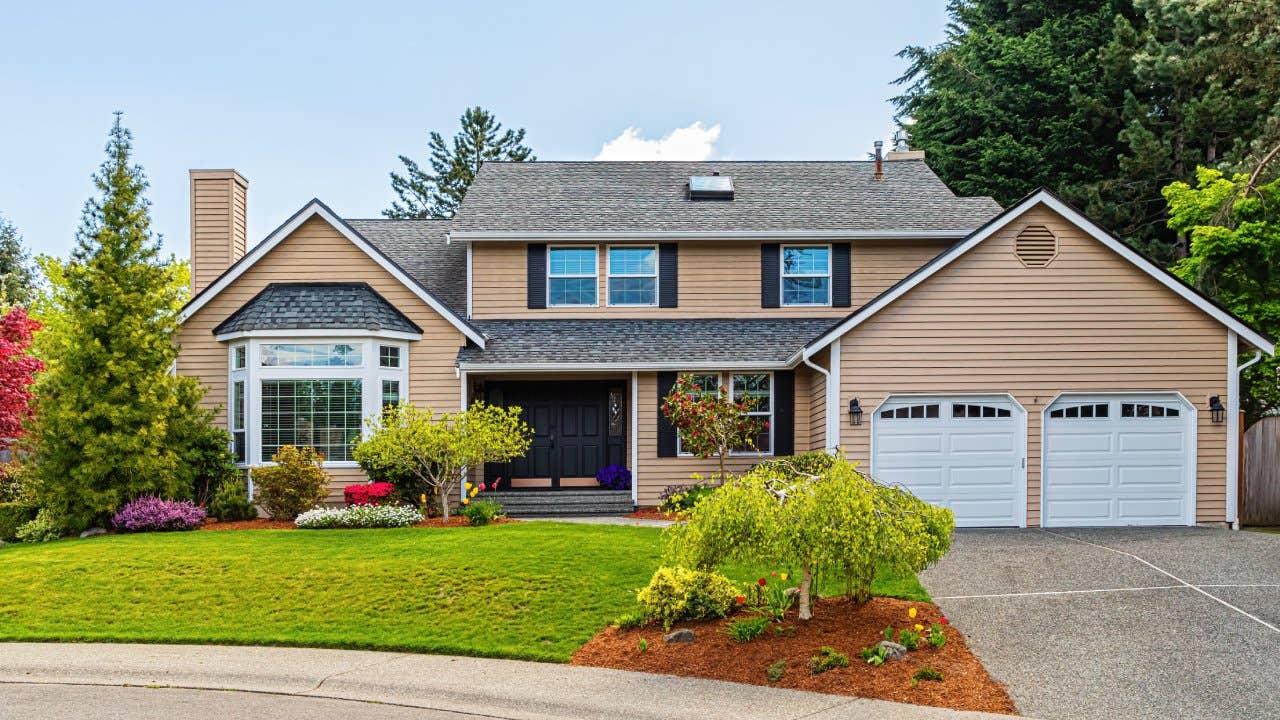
1020, 365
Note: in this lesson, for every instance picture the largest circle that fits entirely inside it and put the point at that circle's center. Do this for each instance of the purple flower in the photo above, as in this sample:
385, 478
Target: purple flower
150, 514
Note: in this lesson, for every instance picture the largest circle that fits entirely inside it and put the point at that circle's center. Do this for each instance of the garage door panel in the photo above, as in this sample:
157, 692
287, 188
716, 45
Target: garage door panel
1071, 477
1002, 442
1132, 442
909, 444
1078, 512
980, 512
997, 476
1079, 442
1161, 511
1153, 477
911, 478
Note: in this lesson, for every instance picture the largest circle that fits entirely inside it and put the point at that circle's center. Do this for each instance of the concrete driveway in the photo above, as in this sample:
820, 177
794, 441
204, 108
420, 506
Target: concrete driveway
1121, 623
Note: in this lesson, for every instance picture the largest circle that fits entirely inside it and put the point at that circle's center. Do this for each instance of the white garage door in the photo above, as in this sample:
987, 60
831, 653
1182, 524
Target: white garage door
962, 452
1118, 460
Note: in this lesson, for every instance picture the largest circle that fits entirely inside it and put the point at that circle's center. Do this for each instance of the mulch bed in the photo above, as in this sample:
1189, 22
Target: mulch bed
648, 513
265, 524
458, 521
836, 623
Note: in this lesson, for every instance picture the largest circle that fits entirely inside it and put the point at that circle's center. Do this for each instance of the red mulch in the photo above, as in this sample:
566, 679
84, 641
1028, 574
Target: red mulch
259, 524
836, 623
458, 521
649, 513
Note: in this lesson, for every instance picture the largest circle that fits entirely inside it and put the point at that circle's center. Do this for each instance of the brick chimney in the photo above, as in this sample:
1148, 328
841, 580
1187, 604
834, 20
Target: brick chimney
219, 225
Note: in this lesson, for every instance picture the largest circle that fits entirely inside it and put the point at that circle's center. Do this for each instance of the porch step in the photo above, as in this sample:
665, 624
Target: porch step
547, 503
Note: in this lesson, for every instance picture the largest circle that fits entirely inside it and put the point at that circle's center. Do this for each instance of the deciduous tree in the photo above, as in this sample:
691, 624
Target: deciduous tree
710, 423
18, 370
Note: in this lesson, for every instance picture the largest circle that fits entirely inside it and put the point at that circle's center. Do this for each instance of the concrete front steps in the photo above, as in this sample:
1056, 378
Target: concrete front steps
551, 503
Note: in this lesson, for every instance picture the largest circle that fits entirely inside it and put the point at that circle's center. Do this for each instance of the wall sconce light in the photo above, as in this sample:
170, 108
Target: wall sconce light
1216, 410
855, 412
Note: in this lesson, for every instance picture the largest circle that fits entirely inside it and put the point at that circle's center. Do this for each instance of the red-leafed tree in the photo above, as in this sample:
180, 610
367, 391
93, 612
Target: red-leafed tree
709, 422
17, 373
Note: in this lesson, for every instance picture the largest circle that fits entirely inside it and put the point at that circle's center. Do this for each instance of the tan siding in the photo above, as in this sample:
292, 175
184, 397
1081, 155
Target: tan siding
219, 207
1090, 321
318, 252
818, 404
718, 278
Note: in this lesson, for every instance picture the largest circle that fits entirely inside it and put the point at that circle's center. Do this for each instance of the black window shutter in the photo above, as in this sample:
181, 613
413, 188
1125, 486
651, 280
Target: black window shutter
537, 275
668, 274
840, 282
769, 276
784, 412
666, 431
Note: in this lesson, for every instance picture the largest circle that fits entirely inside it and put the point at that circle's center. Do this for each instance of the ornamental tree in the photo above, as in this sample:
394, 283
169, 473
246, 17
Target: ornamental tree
437, 449
820, 515
17, 373
711, 423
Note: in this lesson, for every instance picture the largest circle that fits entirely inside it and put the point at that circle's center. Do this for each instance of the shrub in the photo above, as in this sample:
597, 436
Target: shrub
14, 515
827, 659
614, 477
16, 483
679, 498
359, 516
838, 522
775, 671
936, 637
153, 514
231, 502
481, 512
631, 620
927, 673
210, 461
677, 593
747, 630
295, 484
909, 639
44, 527
377, 493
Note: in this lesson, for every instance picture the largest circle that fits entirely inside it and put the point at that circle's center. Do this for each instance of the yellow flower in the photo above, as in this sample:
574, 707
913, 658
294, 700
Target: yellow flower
424, 498
911, 613
468, 486
474, 491
783, 576
466, 501
919, 627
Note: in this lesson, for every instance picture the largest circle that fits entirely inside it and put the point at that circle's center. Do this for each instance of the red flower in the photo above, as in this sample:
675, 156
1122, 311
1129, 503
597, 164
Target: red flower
762, 582
944, 619
741, 599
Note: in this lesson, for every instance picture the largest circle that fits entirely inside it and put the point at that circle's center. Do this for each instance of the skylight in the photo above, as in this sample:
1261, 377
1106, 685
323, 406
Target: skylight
711, 187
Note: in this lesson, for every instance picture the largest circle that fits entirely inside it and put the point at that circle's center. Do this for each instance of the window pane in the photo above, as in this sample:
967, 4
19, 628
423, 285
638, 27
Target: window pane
238, 355
805, 290
706, 384
388, 356
390, 392
573, 261
573, 291
319, 355
633, 291
633, 261
756, 386
806, 261
324, 414
237, 420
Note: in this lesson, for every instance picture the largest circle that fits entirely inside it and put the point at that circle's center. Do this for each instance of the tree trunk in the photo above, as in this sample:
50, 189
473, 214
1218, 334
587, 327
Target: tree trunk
806, 583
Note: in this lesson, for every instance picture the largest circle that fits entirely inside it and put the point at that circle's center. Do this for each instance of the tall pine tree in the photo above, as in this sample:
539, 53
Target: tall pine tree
1015, 97
17, 279
112, 422
438, 193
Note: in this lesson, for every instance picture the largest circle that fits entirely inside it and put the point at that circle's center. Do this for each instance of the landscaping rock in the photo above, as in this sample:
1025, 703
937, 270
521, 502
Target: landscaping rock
893, 649
93, 532
680, 636
791, 591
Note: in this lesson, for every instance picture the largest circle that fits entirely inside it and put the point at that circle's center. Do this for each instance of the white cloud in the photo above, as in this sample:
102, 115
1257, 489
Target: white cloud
695, 142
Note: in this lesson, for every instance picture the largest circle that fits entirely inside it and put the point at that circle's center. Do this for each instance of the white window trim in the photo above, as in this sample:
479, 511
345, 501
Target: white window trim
595, 275
726, 381
368, 372
783, 275
610, 275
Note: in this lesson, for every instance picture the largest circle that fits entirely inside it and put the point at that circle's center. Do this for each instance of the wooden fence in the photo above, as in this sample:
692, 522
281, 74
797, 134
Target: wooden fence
1260, 474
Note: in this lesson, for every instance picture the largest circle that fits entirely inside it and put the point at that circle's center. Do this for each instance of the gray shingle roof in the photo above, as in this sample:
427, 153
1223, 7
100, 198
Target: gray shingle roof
769, 196
642, 342
316, 306
419, 247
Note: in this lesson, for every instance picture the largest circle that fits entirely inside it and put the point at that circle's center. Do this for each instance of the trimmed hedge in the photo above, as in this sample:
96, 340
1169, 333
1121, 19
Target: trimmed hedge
14, 515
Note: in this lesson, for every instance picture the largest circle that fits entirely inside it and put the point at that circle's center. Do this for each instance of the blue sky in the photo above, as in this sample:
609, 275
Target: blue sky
317, 99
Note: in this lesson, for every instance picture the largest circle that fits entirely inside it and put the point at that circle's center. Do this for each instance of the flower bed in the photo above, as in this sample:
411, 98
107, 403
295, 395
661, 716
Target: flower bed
359, 516
787, 654
153, 514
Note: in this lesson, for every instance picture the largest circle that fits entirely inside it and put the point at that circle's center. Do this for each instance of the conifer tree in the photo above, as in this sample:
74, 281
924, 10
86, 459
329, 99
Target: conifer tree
438, 193
112, 422
17, 280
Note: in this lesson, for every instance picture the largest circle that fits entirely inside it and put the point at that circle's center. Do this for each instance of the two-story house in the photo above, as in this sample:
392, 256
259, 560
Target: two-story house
1021, 366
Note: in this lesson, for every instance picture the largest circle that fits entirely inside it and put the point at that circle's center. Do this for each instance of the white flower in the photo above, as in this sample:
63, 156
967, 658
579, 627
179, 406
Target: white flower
359, 516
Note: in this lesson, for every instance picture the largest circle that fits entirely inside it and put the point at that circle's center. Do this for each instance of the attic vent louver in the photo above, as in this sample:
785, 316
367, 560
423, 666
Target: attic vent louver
711, 187
1036, 246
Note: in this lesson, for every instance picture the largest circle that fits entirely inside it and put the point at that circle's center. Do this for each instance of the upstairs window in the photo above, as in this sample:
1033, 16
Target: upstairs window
806, 275
633, 276
571, 277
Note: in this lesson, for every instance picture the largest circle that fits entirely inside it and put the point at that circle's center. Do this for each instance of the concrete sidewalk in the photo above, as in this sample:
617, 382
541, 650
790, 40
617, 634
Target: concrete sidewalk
494, 688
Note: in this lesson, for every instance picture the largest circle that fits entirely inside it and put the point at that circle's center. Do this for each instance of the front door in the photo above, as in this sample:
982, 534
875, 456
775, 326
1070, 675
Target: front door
570, 437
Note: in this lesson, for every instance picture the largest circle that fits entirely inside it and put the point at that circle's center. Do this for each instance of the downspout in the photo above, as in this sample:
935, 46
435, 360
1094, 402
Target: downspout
826, 375
1234, 430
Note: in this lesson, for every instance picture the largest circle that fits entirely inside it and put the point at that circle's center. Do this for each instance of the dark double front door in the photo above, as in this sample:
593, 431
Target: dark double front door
573, 436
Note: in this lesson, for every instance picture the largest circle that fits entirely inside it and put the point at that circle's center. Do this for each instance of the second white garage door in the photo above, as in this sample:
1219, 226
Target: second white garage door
962, 452
1119, 460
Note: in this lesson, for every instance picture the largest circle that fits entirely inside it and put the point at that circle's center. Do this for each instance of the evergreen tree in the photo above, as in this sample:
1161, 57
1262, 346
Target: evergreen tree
1015, 97
112, 423
438, 193
17, 280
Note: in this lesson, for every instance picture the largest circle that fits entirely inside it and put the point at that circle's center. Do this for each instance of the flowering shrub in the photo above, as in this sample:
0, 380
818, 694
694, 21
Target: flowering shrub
153, 514
359, 516
677, 593
711, 423
378, 493
614, 477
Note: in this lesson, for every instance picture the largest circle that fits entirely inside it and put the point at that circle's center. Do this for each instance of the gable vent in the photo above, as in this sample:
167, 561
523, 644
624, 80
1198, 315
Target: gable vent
1036, 246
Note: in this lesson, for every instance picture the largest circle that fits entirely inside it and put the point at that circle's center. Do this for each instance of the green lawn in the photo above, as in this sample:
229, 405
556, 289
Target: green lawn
523, 590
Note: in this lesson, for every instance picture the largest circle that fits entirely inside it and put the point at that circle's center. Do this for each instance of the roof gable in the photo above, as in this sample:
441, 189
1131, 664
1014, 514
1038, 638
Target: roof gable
317, 209
1046, 198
